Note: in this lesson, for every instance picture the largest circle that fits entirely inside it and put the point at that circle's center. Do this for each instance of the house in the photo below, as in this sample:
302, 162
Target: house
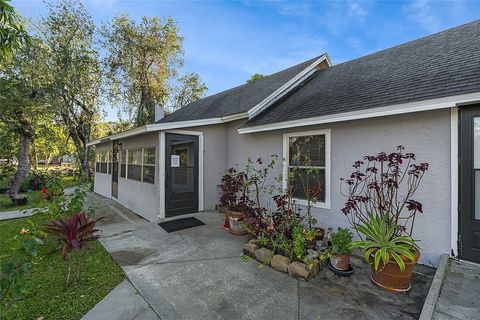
423, 94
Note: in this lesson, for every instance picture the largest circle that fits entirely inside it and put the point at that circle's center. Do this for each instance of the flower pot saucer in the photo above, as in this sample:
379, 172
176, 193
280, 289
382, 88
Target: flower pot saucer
343, 273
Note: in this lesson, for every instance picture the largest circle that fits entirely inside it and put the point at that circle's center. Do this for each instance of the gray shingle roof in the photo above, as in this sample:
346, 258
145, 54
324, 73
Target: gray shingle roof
440, 65
238, 99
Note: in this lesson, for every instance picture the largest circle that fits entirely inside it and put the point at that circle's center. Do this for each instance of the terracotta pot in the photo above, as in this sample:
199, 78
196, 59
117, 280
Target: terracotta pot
340, 261
390, 277
235, 220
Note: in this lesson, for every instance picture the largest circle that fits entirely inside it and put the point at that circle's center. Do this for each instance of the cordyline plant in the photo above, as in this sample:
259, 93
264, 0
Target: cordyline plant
383, 185
73, 233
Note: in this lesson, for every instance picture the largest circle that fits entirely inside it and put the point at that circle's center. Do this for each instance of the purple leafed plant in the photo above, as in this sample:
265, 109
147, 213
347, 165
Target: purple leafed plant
384, 185
73, 233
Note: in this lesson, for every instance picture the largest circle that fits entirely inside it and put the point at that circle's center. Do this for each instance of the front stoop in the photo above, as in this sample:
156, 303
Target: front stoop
454, 291
435, 288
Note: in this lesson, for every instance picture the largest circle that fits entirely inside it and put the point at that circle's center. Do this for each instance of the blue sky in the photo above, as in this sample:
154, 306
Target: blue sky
227, 41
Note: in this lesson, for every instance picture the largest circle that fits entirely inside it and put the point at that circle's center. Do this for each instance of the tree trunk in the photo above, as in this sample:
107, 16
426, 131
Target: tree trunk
23, 167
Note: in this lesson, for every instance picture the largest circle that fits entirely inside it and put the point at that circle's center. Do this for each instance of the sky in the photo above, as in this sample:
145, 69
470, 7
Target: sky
225, 42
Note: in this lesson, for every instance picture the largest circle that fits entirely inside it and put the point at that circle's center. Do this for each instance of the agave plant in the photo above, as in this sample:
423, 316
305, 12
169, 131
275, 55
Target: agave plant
383, 243
73, 233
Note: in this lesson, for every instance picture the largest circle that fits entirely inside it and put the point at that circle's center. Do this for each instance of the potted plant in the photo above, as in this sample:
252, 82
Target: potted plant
381, 208
230, 186
341, 250
391, 257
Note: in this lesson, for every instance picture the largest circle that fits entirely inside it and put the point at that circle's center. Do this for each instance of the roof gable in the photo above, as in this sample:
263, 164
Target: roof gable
239, 99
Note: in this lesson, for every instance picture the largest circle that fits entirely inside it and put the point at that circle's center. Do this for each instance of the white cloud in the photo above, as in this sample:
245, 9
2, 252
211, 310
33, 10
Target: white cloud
422, 13
354, 9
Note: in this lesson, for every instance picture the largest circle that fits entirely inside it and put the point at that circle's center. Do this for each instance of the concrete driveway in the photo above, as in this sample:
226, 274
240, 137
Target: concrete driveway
197, 273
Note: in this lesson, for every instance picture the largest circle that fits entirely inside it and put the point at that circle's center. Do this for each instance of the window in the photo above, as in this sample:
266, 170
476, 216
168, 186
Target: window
134, 164
103, 159
109, 161
123, 163
138, 164
149, 165
307, 164
97, 162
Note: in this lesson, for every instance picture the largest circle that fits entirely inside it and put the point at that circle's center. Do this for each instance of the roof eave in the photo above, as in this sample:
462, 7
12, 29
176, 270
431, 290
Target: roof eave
169, 126
409, 107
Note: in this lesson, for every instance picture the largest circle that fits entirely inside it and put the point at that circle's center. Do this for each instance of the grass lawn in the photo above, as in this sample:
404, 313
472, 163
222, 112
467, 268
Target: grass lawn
46, 295
70, 181
35, 200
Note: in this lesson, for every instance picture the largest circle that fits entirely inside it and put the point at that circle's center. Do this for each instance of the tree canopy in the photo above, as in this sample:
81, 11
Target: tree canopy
12, 31
256, 76
142, 67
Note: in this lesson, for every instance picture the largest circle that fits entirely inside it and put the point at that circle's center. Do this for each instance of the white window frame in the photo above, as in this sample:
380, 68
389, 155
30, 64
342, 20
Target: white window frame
149, 164
286, 164
141, 164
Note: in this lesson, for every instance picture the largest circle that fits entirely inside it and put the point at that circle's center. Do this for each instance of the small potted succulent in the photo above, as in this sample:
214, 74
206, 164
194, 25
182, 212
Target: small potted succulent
340, 251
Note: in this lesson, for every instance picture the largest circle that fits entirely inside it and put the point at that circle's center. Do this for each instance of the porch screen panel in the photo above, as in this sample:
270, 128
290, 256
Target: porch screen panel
123, 163
103, 161
134, 169
149, 165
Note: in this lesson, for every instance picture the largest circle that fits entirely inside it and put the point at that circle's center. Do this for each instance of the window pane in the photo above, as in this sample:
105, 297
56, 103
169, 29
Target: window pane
149, 156
103, 167
97, 166
307, 151
149, 174
308, 180
109, 168
122, 170
123, 156
134, 172
135, 157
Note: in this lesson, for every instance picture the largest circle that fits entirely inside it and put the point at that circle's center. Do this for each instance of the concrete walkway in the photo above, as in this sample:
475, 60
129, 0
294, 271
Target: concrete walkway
460, 293
197, 273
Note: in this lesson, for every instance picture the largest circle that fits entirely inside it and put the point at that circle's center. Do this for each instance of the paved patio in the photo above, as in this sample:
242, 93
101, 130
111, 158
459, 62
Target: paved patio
197, 273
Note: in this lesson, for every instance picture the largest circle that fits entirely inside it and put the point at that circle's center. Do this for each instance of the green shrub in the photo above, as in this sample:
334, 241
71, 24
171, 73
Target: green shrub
341, 241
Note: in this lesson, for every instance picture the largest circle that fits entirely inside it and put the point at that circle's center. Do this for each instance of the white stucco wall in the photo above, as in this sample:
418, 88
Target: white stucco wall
103, 182
142, 198
427, 134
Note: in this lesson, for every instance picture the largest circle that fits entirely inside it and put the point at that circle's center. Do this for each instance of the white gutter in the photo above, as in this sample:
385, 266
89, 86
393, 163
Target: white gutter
425, 105
288, 86
168, 126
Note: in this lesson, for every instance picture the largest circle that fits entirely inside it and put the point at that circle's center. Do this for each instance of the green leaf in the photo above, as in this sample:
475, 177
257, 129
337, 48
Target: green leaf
7, 268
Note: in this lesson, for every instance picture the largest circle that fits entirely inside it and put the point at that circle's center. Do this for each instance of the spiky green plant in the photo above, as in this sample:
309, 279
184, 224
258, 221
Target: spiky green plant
381, 242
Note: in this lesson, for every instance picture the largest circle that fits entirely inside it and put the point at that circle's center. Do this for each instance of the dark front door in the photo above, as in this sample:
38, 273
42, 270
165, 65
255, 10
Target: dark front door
181, 174
115, 156
469, 235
